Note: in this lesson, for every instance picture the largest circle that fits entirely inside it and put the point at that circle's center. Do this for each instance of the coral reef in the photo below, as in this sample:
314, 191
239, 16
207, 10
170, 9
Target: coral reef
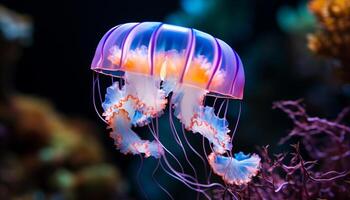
44, 153
319, 168
332, 39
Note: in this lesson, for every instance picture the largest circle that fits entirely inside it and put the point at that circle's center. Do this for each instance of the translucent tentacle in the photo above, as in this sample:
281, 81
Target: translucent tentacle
127, 141
158, 184
235, 170
215, 129
188, 104
138, 177
129, 106
147, 90
94, 81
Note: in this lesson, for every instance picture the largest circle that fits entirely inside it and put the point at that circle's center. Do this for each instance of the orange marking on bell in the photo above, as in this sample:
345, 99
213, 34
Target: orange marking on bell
163, 69
168, 64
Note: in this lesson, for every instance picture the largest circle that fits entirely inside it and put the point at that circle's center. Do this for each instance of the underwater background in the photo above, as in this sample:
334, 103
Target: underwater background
296, 57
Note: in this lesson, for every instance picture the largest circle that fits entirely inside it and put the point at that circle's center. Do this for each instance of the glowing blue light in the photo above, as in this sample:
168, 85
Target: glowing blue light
195, 7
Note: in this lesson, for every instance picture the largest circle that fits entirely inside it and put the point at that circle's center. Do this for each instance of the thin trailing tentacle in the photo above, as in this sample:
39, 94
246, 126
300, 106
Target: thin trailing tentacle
94, 99
194, 151
167, 151
158, 184
138, 177
206, 156
184, 182
183, 150
181, 175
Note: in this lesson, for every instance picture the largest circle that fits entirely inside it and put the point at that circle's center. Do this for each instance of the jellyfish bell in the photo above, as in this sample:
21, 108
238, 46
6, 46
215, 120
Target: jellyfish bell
188, 56
164, 64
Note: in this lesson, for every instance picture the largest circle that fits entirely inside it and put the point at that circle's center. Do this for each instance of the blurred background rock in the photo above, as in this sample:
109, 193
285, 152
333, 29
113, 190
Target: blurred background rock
54, 145
45, 154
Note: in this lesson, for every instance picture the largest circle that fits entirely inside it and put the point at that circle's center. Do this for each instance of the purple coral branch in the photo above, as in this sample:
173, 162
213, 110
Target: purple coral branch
289, 175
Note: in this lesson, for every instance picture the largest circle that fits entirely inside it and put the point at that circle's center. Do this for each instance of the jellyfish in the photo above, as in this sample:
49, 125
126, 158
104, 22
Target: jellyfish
155, 65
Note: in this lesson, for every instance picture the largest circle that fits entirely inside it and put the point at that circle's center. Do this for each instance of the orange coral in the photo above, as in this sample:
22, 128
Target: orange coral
333, 37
